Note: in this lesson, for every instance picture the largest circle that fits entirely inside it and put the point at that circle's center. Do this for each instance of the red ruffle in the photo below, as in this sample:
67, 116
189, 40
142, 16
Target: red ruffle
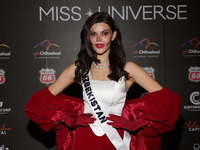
42, 106
161, 108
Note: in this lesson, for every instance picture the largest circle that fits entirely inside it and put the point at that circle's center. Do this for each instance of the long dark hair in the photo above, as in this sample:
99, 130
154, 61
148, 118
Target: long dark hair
87, 55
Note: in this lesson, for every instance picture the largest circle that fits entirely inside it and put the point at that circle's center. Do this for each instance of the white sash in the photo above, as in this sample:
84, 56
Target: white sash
100, 115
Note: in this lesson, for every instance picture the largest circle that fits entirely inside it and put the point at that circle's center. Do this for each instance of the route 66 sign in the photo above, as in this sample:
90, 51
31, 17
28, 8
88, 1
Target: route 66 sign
2, 76
194, 74
47, 75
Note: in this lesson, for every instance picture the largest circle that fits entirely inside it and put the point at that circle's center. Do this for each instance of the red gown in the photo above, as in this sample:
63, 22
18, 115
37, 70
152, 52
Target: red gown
161, 108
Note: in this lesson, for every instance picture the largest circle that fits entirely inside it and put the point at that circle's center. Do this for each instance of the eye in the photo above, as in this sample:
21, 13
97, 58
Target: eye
92, 33
105, 33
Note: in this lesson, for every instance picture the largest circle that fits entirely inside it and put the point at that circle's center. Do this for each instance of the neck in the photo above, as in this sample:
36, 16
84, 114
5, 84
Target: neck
103, 59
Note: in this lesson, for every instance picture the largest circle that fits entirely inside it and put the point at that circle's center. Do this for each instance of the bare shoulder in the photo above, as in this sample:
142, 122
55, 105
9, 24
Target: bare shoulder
130, 65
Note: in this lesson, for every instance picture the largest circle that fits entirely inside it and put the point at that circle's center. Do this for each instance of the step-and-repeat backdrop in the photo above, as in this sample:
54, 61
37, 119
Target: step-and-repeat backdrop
38, 39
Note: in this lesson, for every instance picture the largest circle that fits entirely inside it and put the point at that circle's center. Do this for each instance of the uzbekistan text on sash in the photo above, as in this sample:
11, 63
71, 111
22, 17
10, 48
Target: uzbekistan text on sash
94, 103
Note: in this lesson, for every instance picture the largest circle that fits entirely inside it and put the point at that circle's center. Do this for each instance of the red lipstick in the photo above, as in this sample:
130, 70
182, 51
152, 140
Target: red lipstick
99, 45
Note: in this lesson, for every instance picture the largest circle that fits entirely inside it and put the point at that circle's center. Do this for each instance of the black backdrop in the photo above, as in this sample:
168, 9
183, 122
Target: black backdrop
38, 39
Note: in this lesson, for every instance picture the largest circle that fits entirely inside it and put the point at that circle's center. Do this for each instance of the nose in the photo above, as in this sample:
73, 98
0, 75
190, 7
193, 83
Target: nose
99, 38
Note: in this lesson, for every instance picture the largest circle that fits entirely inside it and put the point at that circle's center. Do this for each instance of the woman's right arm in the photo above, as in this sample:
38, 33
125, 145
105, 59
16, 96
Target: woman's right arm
44, 104
65, 79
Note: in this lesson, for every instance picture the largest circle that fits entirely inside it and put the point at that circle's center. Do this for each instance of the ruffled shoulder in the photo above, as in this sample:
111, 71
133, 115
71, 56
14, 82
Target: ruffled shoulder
43, 105
161, 108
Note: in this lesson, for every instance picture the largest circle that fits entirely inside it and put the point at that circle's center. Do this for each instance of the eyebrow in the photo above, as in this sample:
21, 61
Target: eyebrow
102, 31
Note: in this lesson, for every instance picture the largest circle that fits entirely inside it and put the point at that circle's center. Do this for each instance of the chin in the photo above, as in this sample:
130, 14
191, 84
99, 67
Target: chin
101, 52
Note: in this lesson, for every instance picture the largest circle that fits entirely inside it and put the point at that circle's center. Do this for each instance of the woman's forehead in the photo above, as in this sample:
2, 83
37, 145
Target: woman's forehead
100, 27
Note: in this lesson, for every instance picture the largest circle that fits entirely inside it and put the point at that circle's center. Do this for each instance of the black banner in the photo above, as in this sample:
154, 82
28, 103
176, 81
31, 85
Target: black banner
39, 39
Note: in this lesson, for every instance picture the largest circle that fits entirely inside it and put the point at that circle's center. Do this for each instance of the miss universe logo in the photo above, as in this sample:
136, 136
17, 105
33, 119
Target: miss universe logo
125, 12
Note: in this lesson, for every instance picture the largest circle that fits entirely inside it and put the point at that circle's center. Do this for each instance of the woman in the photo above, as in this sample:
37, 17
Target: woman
103, 120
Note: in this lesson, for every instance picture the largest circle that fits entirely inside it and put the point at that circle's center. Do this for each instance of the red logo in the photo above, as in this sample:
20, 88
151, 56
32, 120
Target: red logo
47, 75
2, 77
194, 74
3, 129
192, 126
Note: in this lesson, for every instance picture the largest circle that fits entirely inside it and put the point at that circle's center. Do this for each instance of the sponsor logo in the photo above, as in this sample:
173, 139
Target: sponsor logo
4, 53
194, 74
142, 12
46, 49
2, 76
191, 48
150, 71
2, 147
4, 129
196, 146
146, 48
47, 75
195, 100
4, 110
192, 126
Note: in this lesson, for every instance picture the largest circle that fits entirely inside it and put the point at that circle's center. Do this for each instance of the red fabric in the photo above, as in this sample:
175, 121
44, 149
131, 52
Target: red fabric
160, 108
82, 120
42, 106
85, 139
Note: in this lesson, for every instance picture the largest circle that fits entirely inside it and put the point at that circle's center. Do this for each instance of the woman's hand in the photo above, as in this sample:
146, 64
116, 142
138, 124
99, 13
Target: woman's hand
121, 122
81, 120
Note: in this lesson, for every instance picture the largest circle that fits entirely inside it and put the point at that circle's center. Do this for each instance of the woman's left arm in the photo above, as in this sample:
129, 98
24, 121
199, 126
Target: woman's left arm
161, 107
141, 77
